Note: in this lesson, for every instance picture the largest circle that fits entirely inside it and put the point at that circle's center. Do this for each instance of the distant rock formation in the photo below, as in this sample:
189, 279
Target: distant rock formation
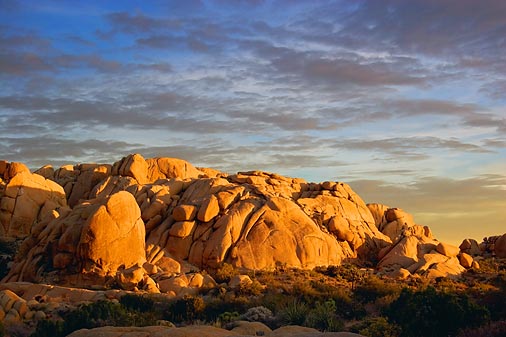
153, 224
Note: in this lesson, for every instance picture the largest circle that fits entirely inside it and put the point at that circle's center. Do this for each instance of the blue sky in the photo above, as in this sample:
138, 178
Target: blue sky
403, 100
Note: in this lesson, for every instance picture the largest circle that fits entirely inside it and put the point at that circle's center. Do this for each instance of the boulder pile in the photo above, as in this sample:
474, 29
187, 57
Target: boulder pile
157, 224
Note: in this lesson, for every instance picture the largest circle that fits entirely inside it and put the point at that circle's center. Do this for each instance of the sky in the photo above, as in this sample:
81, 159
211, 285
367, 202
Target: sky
403, 100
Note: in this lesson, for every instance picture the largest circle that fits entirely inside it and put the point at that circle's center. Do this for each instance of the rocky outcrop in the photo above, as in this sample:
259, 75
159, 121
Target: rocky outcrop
492, 246
87, 245
154, 223
500, 246
471, 247
414, 250
25, 199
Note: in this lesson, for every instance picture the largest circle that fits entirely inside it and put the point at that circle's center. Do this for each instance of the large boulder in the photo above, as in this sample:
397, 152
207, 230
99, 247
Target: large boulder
26, 199
471, 247
500, 246
393, 222
148, 171
86, 245
80, 181
277, 234
447, 249
403, 254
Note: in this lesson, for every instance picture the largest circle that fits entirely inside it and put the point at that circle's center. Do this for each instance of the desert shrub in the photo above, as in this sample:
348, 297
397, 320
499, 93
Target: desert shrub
294, 313
373, 287
383, 303
331, 271
225, 272
323, 317
226, 303
258, 314
432, 313
347, 272
2, 329
346, 307
96, 314
495, 302
250, 289
302, 290
186, 309
350, 273
494, 329
137, 302
92, 315
48, 328
228, 317
376, 327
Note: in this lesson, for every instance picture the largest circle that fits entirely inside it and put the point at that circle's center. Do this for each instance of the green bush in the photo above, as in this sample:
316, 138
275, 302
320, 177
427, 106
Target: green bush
250, 289
186, 309
228, 302
48, 328
294, 313
137, 302
93, 315
376, 327
224, 273
372, 288
323, 317
228, 317
435, 314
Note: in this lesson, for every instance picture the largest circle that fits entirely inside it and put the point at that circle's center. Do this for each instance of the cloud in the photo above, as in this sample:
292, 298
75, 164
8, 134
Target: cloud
23, 63
495, 142
320, 69
158, 41
39, 151
430, 27
414, 148
453, 209
469, 114
135, 23
417, 107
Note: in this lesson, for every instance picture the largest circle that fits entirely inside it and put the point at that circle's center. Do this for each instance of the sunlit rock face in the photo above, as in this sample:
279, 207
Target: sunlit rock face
140, 223
414, 250
25, 199
85, 245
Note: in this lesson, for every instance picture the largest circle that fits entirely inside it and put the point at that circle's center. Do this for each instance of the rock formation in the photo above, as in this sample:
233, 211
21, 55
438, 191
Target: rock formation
414, 249
153, 224
25, 199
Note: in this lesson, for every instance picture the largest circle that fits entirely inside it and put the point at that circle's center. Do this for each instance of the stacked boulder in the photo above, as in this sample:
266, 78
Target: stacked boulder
84, 246
154, 224
491, 246
25, 199
414, 250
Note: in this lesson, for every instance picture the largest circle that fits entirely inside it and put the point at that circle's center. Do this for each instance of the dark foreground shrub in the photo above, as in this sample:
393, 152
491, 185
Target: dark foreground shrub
324, 318
186, 309
137, 302
90, 316
494, 329
436, 314
294, 313
373, 287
